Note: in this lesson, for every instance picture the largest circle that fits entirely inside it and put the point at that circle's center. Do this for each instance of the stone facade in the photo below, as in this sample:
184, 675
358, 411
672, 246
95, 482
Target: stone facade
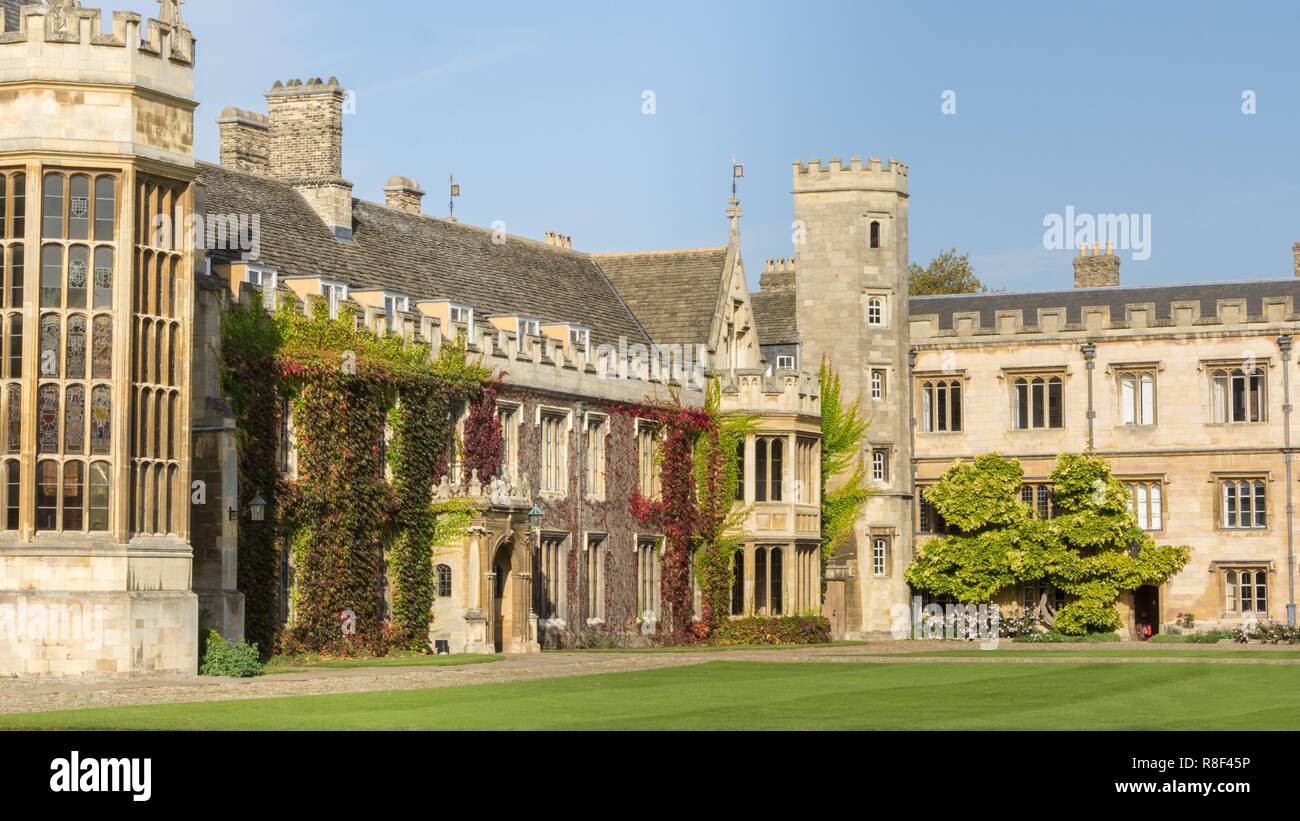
851, 283
95, 558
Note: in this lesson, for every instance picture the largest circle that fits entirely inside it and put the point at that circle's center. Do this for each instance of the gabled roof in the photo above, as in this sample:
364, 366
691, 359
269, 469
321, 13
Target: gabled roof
425, 258
774, 312
1076, 299
673, 293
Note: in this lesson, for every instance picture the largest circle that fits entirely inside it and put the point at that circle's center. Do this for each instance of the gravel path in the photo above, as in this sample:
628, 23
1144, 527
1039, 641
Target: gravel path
37, 695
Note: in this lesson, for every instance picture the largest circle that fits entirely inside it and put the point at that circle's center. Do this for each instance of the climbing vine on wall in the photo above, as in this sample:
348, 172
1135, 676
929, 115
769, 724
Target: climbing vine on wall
717, 480
483, 439
676, 513
346, 387
251, 379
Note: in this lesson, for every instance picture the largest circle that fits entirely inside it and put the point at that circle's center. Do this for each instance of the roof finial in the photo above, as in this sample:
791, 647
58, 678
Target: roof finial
171, 13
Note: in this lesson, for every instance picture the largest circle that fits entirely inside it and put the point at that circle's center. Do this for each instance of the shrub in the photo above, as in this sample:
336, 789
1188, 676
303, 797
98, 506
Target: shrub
782, 630
1210, 637
231, 659
1268, 632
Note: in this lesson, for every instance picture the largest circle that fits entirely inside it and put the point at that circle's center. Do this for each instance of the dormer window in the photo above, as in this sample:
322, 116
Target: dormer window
461, 315
262, 278
395, 304
335, 293
529, 327
579, 338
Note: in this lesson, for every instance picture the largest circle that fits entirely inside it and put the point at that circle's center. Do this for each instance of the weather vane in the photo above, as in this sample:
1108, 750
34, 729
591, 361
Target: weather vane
455, 192
737, 174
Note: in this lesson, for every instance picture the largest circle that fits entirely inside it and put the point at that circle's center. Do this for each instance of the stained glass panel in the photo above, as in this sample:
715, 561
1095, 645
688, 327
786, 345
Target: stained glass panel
50, 353
101, 420
74, 420
76, 366
47, 410
79, 208
78, 275
102, 348
103, 277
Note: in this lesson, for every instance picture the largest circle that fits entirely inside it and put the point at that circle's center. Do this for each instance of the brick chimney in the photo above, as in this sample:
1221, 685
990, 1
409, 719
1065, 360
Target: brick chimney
404, 194
306, 147
1296, 251
245, 141
1095, 269
778, 276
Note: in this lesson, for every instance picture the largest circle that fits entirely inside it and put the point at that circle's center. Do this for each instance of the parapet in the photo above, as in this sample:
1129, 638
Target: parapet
787, 392
154, 54
873, 175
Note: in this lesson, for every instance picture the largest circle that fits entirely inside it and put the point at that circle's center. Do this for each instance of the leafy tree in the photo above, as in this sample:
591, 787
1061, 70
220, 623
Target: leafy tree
1087, 550
948, 273
844, 470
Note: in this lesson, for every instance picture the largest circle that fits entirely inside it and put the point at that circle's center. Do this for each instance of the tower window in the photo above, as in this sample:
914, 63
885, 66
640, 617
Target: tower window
875, 235
876, 312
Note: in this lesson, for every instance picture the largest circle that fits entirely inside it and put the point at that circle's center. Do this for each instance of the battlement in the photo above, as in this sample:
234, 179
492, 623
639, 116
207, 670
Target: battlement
872, 175
753, 391
155, 54
314, 85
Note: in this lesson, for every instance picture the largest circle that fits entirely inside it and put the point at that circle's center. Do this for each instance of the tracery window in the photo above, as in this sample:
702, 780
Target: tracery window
51, 334
47, 419
941, 406
14, 420
101, 418
102, 348
1038, 402
74, 420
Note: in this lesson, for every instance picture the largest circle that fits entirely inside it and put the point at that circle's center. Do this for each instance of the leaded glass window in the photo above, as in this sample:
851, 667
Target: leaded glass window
101, 419
47, 413
47, 495
14, 420
74, 420
16, 346
13, 494
99, 495
76, 354
52, 225
103, 278
17, 271
79, 207
50, 335
105, 210
78, 275
20, 205
52, 277
102, 348
74, 496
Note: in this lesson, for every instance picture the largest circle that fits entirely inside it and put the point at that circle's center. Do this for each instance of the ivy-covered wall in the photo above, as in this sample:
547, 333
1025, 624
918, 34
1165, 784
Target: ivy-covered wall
577, 515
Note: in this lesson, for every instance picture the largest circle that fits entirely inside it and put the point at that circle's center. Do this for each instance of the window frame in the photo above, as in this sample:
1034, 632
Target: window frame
1254, 377
1031, 405
1261, 491
1157, 503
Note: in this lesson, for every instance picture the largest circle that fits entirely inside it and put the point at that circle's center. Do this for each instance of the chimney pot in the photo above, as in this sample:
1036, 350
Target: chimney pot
404, 194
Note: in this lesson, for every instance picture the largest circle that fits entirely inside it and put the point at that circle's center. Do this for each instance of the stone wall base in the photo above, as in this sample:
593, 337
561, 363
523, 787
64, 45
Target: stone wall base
98, 633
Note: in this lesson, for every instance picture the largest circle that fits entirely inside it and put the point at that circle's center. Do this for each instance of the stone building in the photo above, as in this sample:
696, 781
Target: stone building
96, 139
1184, 390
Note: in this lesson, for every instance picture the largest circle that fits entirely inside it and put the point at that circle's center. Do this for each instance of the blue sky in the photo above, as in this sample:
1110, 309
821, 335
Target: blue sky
537, 109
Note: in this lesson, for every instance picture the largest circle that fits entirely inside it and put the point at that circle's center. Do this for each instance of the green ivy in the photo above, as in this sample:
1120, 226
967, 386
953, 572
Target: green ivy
843, 468
346, 386
1086, 550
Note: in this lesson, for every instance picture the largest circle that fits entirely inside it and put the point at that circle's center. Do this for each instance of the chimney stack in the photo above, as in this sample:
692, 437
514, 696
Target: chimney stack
1296, 251
778, 276
245, 141
306, 147
1095, 269
404, 194
559, 240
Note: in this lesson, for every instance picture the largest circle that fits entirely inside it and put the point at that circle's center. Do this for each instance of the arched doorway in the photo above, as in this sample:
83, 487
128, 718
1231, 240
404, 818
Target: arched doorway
1146, 612
502, 612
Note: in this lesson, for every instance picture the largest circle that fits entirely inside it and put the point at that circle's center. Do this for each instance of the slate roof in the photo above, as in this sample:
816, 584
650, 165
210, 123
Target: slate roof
424, 258
774, 312
1074, 300
673, 293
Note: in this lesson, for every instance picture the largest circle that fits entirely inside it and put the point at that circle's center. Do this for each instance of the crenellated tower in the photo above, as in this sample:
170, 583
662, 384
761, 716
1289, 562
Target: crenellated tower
851, 275
96, 194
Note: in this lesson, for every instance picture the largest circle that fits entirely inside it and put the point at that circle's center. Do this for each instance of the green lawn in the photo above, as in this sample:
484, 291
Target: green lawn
282, 665
1173, 651
761, 696
709, 648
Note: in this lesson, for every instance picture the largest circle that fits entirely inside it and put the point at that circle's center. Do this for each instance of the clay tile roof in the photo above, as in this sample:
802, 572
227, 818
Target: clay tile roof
425, 258
774, 312
673, 293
